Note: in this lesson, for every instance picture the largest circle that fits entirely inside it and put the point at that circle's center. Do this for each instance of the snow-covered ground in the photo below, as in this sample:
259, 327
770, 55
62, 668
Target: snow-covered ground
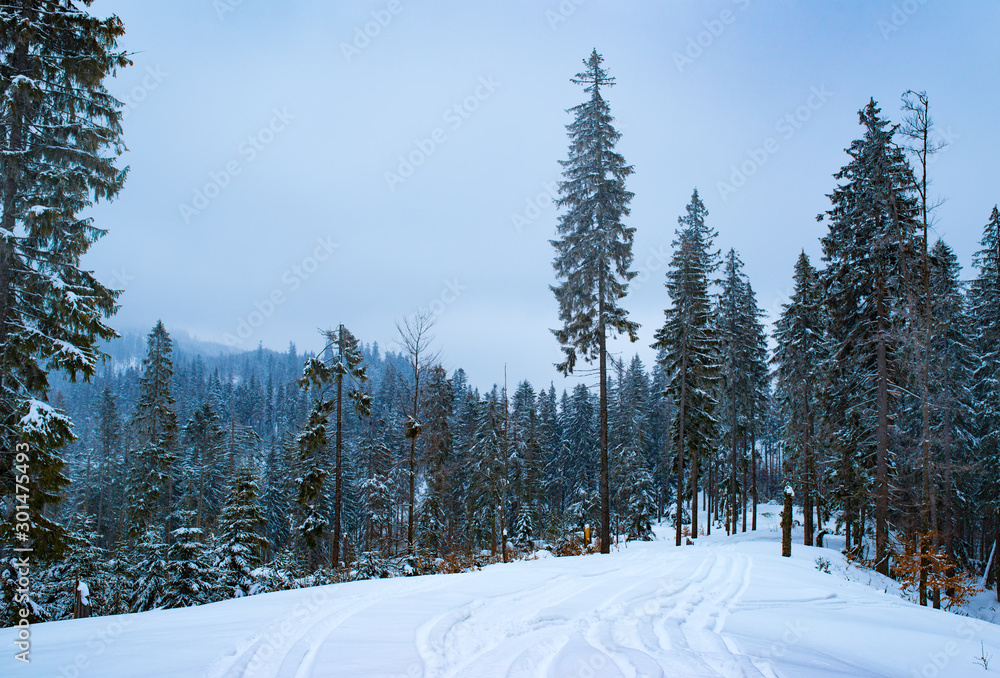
727, 606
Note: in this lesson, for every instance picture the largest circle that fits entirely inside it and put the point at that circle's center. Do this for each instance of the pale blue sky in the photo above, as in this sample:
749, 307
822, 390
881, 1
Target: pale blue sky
287, 122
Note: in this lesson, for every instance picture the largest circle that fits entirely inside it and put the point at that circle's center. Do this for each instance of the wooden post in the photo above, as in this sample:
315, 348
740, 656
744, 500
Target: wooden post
81, 600
786, 523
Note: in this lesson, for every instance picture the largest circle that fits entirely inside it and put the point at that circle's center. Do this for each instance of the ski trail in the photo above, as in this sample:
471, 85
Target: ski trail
512, 635
289, 641
642, 616
701, 609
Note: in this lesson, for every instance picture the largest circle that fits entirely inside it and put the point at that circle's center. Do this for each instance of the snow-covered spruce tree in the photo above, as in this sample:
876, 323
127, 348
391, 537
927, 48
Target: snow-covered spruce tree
60, 139
798, 357
154, 427
526, 457
438, 464
634, 497
734, 354
557, 482
594, 250
870, 252
145, 571
463, 432
191, 579
203, 440
660, 415
759, 387
374, 487
490, 460
951, 395
240, 546
276, 498
110, 469
341, 362
985, 300
83, 561
550, 433
241, 443
577, 461
689, 351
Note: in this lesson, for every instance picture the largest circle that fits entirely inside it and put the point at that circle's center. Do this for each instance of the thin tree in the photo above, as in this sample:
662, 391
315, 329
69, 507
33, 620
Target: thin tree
342, 363
916, 131
414, 339
594, 251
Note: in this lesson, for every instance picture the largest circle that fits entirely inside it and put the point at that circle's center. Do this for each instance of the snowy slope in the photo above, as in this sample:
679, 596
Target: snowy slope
724, 607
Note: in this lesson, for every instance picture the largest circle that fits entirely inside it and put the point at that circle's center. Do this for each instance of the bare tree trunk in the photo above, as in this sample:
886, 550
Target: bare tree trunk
100, 499
338, 469
882, 432
743, 491
680, 449
86, 488
605, 485
695, 463
753, 473
925, 563
949, 509
996, 558
807, 498
709, 498
848, 519
731, 528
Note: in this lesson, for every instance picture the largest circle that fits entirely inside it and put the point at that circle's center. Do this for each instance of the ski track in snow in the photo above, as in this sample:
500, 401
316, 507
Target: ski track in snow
640, 617
293, 657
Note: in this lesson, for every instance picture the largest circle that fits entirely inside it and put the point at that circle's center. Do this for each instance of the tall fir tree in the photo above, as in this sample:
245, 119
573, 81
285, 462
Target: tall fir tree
489, 458
798, 358
110, 460
155, 433
985, 301
60, 142
869, 278
634, 498
731, 327
526, 457
594, 251
951, 393
758, 388
689, 351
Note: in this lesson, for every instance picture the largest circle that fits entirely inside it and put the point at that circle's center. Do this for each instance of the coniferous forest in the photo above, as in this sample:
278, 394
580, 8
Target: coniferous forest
164, 472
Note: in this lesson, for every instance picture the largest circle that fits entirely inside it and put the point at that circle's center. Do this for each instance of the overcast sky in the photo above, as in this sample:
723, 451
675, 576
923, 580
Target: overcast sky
294, 165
